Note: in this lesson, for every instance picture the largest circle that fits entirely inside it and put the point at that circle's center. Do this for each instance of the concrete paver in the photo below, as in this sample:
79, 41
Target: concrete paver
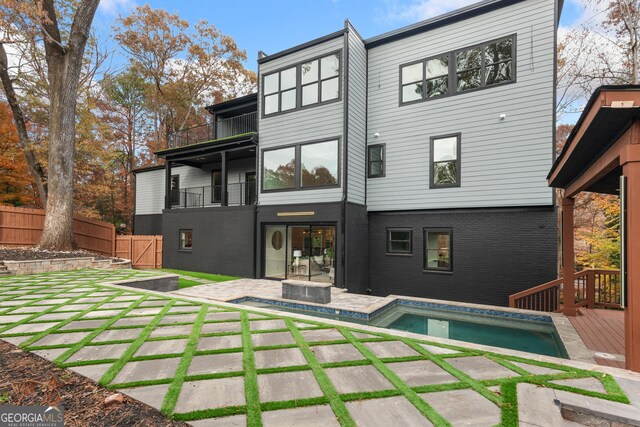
152, 395
352, 379
151, 348
118, 334
336, 353
219, 343
232, 421
215, 364
391, 349
322, 335
481, 368
464, 407
309, 416
67, 338
398, 411
421, 372
210, 394
146, 370
272, 338
279, 358
288, 386
98, 352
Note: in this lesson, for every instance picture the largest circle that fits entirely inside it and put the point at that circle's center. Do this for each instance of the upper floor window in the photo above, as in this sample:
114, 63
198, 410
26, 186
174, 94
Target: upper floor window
302, 166
445, 161
451, 73
280, 91
375, 158
309, 83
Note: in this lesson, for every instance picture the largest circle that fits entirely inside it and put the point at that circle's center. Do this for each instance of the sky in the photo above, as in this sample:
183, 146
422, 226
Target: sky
275, 25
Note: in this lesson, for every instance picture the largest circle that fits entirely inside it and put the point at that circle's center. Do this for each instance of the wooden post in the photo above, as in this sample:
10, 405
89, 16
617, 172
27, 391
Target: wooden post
568, 283
630, 161
591, 289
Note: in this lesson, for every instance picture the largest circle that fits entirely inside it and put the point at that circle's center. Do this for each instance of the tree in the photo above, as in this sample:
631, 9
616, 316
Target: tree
15, 186
64, 48
188, 67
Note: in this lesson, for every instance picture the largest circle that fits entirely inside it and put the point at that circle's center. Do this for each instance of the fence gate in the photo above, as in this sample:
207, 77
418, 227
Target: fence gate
143, 251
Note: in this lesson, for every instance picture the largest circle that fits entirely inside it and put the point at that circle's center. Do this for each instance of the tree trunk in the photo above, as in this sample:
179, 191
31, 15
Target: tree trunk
64, 68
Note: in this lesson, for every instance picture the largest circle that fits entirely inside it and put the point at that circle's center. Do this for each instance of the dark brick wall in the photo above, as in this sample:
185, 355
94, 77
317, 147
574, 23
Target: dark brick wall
147, 224
222, 240
495, 253
324, 213
357, 243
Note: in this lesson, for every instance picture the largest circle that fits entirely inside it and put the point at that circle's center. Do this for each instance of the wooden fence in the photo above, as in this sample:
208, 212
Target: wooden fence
23, 227
143, 251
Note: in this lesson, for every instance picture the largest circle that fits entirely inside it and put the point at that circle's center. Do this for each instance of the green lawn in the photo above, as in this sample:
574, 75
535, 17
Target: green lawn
186, 283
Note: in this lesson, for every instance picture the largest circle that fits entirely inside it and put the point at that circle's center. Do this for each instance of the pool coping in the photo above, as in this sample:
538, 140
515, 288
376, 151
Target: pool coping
577, 363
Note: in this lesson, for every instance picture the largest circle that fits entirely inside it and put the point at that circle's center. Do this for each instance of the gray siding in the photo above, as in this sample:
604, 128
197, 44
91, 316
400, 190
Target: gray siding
150, 185
310, 124
357, 118
503, 163
495, 253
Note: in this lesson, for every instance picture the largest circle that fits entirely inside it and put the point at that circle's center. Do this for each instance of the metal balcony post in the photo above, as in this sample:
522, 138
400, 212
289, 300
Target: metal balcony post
223, 180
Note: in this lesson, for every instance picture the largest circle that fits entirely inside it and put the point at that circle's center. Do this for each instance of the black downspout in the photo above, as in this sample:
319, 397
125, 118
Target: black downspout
167, 185
345, 143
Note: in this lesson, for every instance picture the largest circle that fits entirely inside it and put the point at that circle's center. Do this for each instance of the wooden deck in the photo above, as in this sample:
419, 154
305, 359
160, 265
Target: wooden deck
602, 331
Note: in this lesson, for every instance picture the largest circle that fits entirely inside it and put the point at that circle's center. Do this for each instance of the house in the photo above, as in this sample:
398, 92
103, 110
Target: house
412, 163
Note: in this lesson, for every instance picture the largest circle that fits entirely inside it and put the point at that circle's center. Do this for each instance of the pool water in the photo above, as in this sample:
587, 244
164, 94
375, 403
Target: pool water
524, 335
532, 337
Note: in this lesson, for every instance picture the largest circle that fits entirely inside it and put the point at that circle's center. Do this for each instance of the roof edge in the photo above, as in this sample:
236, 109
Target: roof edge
592, 99
302, 46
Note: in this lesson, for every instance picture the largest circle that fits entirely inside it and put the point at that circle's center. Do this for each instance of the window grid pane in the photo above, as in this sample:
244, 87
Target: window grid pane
330, 89
438, 253
279, 168
319, 164
399, 241
309, 72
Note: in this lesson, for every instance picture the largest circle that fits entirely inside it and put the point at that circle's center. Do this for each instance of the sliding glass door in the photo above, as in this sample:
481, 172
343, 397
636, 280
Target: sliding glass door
307, 253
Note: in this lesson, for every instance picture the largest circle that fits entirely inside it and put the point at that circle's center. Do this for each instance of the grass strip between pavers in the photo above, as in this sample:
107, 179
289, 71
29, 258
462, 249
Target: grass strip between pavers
46, 311
97, 331
113, 370
171, 398
509, 413
251, 392
425, 409
327, 387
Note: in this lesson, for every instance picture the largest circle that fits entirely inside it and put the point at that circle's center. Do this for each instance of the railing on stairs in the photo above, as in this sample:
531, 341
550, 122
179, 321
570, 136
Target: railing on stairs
594, 288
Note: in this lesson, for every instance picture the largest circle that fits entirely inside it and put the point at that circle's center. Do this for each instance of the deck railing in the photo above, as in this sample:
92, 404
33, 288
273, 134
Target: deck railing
223, 128
594, 288
238, 194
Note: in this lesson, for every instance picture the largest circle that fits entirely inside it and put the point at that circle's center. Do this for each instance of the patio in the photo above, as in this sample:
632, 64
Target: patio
220, 364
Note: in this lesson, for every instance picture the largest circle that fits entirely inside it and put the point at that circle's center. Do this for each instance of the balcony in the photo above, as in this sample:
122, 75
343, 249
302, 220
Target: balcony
220, 129
238, 194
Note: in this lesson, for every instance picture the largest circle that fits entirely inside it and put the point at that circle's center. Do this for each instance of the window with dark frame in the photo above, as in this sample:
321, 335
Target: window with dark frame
445, 161
216, 186
302, 166
186, 240
399, 241
375, 159
479, 66
438, 250
319, 83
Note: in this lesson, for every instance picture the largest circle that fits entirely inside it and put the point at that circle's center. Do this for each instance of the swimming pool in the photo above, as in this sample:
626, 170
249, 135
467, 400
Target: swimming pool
533, 334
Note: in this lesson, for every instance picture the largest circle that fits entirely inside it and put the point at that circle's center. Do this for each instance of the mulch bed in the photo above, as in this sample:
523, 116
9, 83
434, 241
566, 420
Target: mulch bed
27, 379
27, 254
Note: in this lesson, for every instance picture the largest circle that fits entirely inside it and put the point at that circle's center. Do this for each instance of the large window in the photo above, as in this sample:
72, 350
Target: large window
438, 250
319, 164
399, 241
302, 166
375, 159
186, 240
451, 73
445, 161
279, 169
319, 83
